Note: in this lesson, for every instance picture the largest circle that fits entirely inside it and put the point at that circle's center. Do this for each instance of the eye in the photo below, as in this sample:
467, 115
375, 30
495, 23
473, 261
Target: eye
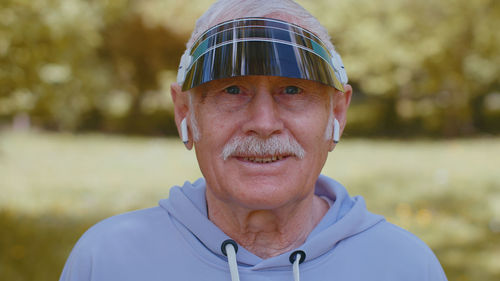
292, 90
233, 90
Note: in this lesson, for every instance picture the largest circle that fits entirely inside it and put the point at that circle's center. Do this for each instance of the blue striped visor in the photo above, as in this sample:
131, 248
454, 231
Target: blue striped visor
260, 46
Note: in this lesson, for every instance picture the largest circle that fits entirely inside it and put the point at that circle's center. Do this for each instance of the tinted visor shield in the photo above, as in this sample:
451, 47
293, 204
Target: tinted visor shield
258, 46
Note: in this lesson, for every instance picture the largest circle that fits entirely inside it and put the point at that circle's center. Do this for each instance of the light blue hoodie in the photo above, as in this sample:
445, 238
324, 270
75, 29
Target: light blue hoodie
175, 241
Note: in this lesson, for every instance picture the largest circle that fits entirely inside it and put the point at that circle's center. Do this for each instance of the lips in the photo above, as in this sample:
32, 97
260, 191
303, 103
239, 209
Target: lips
262, 160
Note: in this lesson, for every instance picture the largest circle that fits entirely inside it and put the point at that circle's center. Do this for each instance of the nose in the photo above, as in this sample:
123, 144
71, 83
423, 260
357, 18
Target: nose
264, 119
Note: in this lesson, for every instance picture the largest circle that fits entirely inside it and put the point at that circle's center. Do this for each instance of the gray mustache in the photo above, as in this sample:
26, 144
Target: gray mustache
255, 146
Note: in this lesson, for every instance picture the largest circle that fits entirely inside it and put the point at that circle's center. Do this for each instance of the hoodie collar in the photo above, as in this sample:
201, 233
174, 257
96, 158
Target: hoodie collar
346, 217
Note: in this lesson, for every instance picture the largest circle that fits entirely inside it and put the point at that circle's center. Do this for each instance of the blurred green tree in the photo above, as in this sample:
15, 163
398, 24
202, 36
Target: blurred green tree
49, 65
418, 67
78, 65
431, 63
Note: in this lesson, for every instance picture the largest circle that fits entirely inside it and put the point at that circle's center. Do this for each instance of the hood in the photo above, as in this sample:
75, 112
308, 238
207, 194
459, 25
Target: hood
346, 217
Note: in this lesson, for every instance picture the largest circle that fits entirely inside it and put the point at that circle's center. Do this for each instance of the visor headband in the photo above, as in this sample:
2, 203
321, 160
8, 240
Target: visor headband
259, 46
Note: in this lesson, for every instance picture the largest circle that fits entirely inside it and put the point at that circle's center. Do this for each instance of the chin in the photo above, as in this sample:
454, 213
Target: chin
265, 195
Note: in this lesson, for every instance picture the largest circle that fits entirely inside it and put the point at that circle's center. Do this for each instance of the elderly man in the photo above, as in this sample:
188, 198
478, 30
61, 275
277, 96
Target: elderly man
262, 97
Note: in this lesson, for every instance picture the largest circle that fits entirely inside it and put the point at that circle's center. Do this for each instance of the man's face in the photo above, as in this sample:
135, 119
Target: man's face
259, 111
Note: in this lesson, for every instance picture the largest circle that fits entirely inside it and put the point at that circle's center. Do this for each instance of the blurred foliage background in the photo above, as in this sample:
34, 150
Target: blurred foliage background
418, 67
85, 69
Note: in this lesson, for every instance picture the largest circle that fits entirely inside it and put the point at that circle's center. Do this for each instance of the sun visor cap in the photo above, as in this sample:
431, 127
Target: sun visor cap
259, 46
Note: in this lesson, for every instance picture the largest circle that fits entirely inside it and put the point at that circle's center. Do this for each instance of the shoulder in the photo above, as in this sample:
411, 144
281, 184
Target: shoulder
123, 233
391, 246
126, 226
386, 232
391, 239
119, 240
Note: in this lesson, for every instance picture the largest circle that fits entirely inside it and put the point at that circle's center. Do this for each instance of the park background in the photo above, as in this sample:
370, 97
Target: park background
86, 124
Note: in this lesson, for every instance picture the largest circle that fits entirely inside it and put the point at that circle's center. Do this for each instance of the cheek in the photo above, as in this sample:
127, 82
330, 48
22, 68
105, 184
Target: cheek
216, 131
309, 127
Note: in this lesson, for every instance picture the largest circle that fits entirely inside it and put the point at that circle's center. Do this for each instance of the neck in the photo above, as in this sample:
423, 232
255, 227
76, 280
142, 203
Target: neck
268, 233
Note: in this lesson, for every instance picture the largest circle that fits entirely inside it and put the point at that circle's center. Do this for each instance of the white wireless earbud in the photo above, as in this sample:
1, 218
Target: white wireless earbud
336, 130
184, 131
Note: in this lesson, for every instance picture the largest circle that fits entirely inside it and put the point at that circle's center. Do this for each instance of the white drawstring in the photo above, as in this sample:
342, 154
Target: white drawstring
296, 273
229, 248
231, 259
297, 258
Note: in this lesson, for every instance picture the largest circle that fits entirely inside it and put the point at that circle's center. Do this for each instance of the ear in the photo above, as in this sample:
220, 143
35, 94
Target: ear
181, 111
341, 103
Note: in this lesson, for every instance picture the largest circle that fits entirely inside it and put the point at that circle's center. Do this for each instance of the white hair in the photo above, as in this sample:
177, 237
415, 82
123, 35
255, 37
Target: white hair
253, 145
330, 123
224, 10
192, 116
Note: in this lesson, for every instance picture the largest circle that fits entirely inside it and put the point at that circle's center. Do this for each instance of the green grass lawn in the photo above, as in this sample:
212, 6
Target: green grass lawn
54, 186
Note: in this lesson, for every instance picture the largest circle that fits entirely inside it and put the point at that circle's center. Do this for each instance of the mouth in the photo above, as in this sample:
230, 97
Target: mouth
263, 160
